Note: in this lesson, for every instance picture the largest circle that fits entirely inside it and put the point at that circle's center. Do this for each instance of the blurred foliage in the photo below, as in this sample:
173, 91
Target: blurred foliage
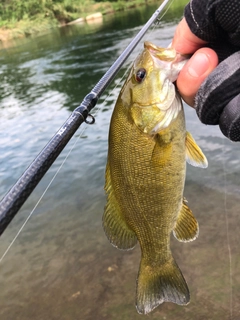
15, 10
33, 15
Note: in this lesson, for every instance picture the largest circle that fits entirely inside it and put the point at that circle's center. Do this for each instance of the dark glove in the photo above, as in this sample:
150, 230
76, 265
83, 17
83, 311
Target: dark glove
218, 99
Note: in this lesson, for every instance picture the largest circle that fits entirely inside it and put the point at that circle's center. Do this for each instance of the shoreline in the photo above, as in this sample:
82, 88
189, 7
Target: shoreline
29, 28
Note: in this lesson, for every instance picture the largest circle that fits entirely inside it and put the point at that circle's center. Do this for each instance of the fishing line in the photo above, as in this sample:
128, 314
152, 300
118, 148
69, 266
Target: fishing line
227, 234
134, 57
44, 192
157, 23
58, 170
119, 82
24, 186
97, 109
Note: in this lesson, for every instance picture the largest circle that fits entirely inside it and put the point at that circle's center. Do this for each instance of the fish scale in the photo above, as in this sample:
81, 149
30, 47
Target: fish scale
145, 175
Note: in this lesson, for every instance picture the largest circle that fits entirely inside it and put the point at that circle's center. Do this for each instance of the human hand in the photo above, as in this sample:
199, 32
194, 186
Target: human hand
199, 66
212, 88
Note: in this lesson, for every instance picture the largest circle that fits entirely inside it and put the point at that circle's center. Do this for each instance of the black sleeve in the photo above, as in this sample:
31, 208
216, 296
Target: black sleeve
217, 22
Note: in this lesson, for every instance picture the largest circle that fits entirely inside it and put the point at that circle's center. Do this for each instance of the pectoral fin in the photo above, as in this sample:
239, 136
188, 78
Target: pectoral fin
114, 225
194, 154
186, 228
145, 118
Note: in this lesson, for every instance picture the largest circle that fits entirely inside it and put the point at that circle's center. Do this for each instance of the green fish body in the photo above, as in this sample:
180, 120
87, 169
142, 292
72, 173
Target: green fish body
145, 176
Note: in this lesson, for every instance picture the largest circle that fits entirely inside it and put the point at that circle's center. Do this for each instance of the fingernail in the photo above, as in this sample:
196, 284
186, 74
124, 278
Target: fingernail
198, 65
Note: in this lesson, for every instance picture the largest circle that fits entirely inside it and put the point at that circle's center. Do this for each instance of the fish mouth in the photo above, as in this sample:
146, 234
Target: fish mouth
165, 54
167, 59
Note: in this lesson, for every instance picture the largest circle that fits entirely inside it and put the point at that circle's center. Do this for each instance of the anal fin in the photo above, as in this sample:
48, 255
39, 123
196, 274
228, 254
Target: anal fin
186, 228
114, 225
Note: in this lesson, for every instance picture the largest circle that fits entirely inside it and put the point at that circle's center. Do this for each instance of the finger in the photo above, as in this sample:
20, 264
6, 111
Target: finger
199, 66
184, 41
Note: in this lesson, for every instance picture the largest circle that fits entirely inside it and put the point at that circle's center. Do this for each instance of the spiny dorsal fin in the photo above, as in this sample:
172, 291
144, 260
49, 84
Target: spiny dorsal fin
114, 225
186, 228
194, 154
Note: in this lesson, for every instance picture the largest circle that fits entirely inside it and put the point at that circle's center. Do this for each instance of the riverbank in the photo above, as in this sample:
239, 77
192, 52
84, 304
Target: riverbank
59, 14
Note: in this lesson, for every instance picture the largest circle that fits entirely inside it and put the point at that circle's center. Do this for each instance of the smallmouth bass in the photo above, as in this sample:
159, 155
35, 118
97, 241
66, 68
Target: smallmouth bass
145, 176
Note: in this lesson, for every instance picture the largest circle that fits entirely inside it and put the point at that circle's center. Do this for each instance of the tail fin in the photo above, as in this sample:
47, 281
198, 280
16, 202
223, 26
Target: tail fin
159, 284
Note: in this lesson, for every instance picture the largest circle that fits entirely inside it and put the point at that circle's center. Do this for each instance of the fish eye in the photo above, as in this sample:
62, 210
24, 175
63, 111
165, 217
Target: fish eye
140, 75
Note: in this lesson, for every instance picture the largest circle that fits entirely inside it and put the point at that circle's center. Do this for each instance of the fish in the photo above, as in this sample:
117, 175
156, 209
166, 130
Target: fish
148, 147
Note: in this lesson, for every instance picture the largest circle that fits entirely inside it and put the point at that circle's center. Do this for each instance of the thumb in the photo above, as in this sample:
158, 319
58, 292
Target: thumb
195, 71
199, 66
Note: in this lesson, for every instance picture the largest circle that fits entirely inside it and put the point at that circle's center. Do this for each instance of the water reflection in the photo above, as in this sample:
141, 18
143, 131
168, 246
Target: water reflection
62, 266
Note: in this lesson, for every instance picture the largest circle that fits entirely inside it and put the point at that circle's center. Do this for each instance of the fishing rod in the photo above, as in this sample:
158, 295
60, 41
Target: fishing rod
19, 193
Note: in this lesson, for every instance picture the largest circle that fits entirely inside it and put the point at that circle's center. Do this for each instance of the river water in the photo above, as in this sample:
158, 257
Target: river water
61, 266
